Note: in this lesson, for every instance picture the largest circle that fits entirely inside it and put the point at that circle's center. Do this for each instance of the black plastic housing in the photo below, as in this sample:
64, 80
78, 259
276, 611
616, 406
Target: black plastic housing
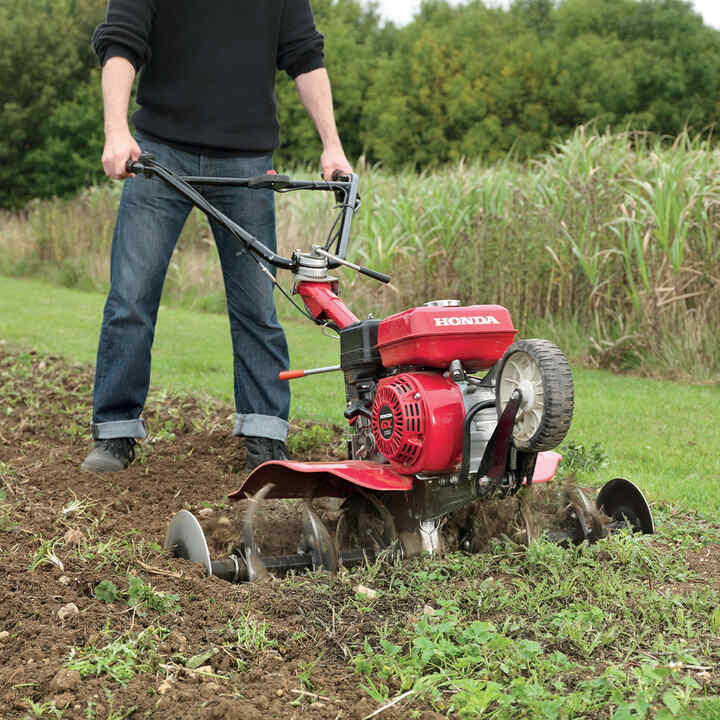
357, 346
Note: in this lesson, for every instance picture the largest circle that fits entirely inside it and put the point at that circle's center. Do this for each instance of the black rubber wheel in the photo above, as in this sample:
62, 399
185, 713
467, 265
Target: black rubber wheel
542, 373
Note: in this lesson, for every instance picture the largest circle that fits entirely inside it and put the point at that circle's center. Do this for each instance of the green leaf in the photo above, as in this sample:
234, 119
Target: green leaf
671, 702
197, 660
107, 592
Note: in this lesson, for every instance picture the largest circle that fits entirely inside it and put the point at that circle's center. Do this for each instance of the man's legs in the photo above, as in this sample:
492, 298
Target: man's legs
150, 218
259, 345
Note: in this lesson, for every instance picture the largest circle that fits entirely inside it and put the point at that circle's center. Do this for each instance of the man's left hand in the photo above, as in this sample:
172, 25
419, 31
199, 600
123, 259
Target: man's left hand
333, 160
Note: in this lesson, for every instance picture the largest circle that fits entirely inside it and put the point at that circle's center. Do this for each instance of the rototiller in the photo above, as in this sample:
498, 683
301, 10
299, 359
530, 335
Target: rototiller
445, 409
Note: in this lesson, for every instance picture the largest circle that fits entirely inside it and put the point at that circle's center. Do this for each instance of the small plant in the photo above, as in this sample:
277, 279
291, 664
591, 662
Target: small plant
121, 659
250, 636
40, 710
310, 438
140, 595
45, 555
578, 458
107, 592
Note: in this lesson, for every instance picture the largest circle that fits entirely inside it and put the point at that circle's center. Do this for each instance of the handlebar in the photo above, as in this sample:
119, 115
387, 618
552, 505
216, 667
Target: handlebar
345, 189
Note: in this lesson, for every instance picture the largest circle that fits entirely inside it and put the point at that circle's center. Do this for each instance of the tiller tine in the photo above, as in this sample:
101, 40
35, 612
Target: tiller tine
317, 550
620, 505
255, 567
317, 539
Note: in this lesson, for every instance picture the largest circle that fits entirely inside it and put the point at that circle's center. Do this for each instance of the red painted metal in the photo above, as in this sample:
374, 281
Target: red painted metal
324, 304
417, 421
294, 479
477, 335
546, 466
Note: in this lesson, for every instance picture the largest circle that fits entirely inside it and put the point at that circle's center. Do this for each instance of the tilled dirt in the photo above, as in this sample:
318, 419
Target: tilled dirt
120, 522
277, 649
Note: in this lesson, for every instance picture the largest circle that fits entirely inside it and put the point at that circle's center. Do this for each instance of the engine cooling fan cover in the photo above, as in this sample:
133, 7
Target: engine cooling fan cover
417, 421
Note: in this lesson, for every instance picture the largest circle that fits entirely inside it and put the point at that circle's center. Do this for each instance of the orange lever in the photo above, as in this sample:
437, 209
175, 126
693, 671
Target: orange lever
293, 374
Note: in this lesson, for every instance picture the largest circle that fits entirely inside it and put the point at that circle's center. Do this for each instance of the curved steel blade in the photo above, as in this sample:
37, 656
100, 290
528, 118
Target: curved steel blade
255, 567
622, 501
317, 536
185, 539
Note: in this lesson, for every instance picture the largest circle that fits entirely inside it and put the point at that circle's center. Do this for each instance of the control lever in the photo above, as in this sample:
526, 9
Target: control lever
358, 268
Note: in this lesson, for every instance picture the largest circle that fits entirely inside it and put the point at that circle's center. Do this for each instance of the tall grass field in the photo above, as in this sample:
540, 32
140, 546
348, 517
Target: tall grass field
609, 245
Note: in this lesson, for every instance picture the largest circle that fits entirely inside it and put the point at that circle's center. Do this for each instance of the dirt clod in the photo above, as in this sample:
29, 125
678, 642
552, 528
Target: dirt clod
66, 680
73, 537
68, 613
367, 592
164, 688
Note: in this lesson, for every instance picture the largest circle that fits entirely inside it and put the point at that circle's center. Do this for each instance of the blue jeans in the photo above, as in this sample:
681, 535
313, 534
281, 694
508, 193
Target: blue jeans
150, 218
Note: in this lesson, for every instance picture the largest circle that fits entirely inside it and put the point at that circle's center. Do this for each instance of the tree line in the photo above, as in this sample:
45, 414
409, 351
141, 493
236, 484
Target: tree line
467, 81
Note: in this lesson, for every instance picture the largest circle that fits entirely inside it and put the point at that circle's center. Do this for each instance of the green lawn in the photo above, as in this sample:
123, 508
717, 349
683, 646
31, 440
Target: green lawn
664, 436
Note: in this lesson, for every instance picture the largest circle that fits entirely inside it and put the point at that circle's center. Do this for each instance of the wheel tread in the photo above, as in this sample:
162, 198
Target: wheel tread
558, 389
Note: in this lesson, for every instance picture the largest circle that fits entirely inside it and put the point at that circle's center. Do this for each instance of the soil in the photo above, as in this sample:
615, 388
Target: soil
112, 527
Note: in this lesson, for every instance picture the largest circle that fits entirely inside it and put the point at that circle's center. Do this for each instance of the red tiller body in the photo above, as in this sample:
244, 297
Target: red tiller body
477, 335
321, 300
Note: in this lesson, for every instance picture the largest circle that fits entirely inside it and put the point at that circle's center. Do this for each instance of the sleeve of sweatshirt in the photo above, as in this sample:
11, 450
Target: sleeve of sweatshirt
300, 48
125, 32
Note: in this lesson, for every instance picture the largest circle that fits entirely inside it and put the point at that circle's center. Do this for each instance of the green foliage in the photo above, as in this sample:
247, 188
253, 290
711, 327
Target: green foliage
107, 592
121, 659
44, 56
471, 80
310, 438
140, 596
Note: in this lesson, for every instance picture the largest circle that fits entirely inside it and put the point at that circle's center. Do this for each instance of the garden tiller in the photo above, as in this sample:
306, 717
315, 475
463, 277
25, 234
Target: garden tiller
445, 409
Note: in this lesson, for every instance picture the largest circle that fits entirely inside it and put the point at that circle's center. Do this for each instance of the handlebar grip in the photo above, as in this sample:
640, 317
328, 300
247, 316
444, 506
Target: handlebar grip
138, 166
382, 277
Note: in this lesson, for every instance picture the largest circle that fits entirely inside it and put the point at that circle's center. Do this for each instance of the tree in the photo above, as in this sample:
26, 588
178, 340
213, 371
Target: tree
44, 56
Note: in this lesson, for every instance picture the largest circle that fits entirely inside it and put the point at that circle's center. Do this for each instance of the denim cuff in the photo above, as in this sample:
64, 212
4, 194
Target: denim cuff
119, 429
266, 426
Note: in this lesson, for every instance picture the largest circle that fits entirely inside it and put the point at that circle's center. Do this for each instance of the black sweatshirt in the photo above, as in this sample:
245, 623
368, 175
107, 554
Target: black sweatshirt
207, 69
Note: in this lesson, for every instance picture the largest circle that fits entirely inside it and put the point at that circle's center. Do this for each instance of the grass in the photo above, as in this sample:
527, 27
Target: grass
543, 634
617, 233
662, 435
192, 350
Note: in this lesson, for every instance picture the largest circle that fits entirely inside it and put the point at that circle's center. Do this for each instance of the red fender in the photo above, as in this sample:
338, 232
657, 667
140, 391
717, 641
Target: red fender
546, 466
294, 479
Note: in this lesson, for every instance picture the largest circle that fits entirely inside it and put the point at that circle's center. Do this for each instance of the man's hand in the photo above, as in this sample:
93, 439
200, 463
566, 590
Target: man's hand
119, 148
333, 160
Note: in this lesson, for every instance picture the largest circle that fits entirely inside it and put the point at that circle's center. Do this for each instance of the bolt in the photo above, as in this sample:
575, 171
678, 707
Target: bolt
417, 396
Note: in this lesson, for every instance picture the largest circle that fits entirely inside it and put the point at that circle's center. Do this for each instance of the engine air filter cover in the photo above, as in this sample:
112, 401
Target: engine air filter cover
417, 421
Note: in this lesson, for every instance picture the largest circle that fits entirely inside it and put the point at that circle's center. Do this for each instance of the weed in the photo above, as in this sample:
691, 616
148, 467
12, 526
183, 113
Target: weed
40, 710
121, 659
310, 438
250, 635
45, 555
140, 595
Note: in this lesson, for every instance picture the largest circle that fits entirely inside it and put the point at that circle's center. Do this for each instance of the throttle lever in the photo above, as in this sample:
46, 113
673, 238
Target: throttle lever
382, 277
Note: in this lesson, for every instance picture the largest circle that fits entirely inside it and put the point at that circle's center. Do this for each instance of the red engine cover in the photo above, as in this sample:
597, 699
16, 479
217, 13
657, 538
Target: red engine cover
477, 335
417, 421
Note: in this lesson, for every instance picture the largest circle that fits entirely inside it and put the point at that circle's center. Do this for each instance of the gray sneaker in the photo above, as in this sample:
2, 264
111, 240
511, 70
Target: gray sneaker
110, 455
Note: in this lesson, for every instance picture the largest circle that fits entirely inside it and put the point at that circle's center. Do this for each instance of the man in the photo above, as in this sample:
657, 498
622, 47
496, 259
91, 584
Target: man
207, 107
